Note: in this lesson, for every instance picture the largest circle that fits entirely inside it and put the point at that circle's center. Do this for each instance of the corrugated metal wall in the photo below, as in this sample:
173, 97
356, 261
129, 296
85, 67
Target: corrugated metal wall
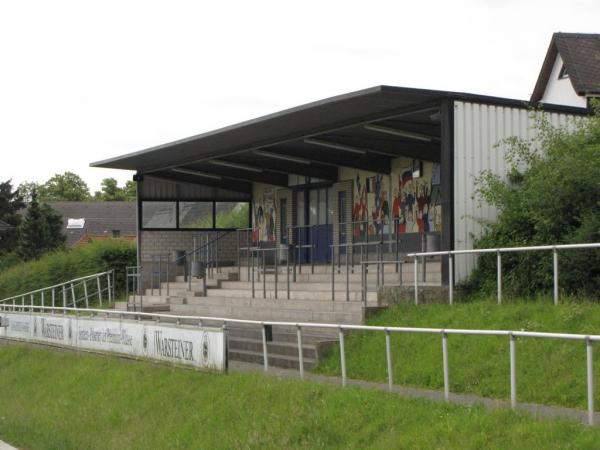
478, 128
159, 189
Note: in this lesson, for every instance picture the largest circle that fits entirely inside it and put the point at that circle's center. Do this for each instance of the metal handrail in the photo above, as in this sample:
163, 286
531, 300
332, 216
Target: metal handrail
589, 339
185, 257
68, 288
498, 251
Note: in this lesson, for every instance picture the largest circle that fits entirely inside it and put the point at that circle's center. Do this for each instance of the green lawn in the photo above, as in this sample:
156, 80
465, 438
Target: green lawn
548, 371
54, 399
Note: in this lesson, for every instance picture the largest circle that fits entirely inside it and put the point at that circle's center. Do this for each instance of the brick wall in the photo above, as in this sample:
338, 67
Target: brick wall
165, 241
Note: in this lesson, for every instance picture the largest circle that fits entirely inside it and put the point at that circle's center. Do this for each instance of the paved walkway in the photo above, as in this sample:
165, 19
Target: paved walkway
536, 410
5, 446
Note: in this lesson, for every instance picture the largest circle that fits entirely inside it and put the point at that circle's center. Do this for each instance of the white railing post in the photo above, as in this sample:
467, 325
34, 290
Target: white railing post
100, 290
73, 295
450, 279
590, 380
343, 356
416, 282
499, 275
85, 294
108, 286
513, 371
300, 351
445, 366
388, 354
555, 273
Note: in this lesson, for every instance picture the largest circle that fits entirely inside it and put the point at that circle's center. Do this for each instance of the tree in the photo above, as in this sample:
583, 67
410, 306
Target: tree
551, 196
112, 192
26, 188
66, 187
40, 231
130, 190
10, 204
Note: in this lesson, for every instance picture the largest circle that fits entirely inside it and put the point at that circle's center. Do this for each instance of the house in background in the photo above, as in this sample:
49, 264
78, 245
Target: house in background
83, 221
570, 74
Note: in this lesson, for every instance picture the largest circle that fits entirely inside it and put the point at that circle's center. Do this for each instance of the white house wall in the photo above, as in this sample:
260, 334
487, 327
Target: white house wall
477, 130
561, 91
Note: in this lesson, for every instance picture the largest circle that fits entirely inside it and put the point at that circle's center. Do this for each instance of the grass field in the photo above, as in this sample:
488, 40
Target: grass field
54, 399
548, 371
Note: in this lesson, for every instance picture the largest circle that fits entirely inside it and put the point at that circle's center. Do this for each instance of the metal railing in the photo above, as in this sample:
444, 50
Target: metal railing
498, 251
83, 289
444, 333
201, 262
134, 277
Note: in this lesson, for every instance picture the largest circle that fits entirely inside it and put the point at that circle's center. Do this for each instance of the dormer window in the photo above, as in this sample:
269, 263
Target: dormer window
563, 73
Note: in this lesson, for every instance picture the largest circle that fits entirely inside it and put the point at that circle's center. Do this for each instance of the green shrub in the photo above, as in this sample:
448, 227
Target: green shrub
59, 266
552, 196
8, 260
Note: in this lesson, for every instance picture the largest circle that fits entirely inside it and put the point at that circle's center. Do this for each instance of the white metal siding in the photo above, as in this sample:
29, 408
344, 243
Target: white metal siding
477, 130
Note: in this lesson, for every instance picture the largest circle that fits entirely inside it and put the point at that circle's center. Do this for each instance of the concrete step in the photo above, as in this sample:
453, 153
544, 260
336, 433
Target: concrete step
146, 307
283, 334
353, 277
157, 299
289, 349
215, 276
312, 305
406, 267
298, 286
268, 313
286, 362
324, 295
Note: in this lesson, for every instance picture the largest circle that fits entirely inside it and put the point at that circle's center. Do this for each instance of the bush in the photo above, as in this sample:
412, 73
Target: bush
551, 196
59, 266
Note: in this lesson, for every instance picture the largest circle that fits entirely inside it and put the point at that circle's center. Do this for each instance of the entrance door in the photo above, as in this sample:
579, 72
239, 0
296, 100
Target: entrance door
315, 218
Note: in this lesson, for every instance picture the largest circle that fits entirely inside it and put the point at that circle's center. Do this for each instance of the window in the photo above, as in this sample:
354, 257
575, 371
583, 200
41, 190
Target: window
159, 214
563, 73
232, 214
195, 214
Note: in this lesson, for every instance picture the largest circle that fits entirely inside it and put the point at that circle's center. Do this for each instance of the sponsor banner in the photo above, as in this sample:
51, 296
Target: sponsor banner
200, 347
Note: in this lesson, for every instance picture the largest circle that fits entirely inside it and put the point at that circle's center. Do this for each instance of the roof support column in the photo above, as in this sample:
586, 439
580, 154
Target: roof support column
447, 183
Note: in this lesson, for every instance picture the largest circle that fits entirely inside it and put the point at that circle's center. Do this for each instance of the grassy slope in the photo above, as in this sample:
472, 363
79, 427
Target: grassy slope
64, 400
548, 371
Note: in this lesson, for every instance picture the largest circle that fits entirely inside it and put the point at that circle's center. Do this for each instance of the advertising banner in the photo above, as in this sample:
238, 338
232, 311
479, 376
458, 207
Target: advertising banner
200, 347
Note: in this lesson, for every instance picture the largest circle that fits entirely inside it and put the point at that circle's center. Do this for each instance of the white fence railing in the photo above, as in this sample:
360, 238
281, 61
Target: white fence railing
342, 329
71, 292
499, 251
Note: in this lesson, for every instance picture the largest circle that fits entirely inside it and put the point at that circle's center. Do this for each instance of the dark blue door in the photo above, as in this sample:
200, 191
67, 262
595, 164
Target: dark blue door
315, 228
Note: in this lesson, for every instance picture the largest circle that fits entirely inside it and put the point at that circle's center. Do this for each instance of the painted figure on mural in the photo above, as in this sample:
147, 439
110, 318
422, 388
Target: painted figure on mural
270, 225
259, 219
359, 209
422, 204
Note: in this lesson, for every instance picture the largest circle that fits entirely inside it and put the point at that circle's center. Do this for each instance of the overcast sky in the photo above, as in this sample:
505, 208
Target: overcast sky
82, 81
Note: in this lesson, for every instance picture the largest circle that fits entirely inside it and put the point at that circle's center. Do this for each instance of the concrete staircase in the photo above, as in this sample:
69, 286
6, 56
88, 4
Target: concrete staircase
229, 295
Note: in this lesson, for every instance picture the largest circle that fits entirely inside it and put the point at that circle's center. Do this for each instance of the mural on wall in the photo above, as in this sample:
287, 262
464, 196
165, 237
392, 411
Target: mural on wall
370, 208
415, 200
264, 212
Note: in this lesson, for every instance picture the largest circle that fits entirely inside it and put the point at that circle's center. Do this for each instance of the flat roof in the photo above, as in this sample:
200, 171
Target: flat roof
313, 119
